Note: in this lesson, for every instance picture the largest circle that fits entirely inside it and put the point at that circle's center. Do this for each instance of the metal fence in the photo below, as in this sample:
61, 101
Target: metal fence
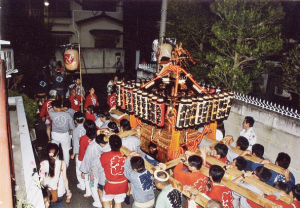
267, 105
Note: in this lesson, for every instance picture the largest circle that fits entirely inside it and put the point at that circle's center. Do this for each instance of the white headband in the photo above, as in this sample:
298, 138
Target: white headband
161, 179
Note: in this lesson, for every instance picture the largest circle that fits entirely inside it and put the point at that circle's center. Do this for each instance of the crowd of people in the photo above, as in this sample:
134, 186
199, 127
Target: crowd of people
76, 122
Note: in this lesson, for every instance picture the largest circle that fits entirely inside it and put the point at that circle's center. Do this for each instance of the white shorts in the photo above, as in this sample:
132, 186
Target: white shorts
119, 198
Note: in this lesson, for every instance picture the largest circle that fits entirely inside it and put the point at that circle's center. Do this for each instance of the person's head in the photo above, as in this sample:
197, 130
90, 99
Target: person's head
283, 160
295, 192
92, 91
216, 173
90, 109
112, 126
67, 104
263, 174
194, 163
137, 163
258, 150
248, 122
52, 94
77, 80
91, 133
89, 124
240, 163
125, 125
213, 203
220, 150
281, 186
104, 116
118, 59
52, 151
152, 149
73, 92
115, 142
242, 143
47, 196
79, 117
161, 178
56, 105
116, 78
100, 140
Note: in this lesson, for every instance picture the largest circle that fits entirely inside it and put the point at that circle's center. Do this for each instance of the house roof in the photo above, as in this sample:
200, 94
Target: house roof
106, 32
101, 16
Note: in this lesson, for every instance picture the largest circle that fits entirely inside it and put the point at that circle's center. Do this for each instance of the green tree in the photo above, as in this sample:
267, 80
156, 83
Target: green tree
190, 22
290, 77
245, 34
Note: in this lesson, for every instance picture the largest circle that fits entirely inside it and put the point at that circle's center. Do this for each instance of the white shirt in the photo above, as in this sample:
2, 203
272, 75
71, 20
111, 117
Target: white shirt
250, 135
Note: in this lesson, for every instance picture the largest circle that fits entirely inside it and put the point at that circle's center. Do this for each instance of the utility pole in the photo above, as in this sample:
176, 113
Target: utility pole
162, 31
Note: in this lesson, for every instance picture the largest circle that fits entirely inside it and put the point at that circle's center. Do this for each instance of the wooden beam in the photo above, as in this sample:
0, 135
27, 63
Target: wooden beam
122, 134
259, 184
201, 198
252, 158
172, 163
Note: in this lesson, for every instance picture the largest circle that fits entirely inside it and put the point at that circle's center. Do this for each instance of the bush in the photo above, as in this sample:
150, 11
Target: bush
30, 107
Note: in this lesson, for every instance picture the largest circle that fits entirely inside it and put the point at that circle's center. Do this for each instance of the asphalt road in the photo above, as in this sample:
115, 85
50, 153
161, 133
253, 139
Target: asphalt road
99, 82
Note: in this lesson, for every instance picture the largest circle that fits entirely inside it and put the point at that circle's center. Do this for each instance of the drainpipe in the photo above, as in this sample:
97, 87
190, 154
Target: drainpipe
6, 199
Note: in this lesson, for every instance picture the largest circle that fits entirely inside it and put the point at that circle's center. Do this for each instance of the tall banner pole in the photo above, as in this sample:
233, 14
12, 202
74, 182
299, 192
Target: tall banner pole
80, 78
162, 31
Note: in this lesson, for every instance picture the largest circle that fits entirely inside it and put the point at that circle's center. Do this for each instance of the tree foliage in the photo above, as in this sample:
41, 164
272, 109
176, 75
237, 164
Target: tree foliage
290, 77
246, 32
190, 22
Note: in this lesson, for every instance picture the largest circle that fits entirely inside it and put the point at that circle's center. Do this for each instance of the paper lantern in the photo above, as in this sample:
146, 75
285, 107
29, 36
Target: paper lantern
71, 59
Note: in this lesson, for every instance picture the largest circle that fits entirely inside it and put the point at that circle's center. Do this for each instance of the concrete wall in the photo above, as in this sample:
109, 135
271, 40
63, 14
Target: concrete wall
276, 132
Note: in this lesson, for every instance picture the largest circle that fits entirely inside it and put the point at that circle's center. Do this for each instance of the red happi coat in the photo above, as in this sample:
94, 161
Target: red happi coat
223, 194
83, 144
197, 179
113, 165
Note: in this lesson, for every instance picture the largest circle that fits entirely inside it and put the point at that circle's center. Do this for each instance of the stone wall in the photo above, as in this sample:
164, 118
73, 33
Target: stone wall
276, 132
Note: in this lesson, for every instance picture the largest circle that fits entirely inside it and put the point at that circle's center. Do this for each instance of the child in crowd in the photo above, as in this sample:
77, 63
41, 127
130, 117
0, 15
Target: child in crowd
77, 133
218, 191
140, 180
91, 99
76, 100
89, 114
116, 185
84, 141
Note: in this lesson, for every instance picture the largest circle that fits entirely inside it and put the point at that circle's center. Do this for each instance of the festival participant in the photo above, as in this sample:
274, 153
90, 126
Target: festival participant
295, 193
89, 167
75, 100
283, 160
140, 180
76, 86
59, 85
116, 185
283, 191
130, 142
261, 173
77, 133
91, 99
168, 197
67, 108
41, 88
98, 121
53, 173
218, 191
248, 131
188, 172
44, 114
112, 127
257, 151
238, 163
101, 175
241, 143
219, 152
112, 98
60, 67
104, 117
111, 83
62, 123
84, 142
89, 114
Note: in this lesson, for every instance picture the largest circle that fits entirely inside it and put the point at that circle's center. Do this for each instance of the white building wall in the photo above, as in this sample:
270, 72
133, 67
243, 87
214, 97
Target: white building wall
276, 132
